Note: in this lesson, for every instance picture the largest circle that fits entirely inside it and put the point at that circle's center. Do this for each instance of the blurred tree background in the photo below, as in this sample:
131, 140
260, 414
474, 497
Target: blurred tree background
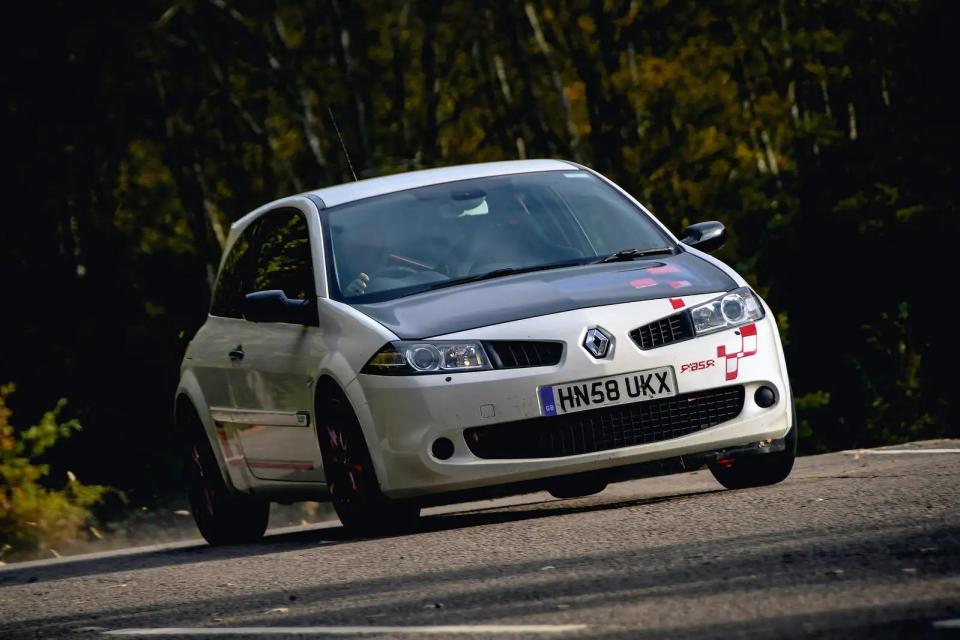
822, 132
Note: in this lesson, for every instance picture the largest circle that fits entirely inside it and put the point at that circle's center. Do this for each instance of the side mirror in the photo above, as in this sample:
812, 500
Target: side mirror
275, 306
705, 236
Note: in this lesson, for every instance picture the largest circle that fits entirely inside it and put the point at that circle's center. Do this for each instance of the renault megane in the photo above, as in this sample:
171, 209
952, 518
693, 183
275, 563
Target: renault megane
470, 331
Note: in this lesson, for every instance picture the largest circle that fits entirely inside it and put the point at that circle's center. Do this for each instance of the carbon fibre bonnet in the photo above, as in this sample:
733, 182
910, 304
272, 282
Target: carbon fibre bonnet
510, 298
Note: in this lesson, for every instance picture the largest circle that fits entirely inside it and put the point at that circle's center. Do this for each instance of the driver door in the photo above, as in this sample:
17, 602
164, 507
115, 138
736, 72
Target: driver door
273, 385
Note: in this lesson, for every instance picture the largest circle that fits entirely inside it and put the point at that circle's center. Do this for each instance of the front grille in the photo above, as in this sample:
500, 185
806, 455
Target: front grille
664, 331
514, 354
614, 427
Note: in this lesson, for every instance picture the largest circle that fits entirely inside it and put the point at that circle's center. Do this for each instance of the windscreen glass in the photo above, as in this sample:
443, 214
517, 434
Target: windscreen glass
410, 241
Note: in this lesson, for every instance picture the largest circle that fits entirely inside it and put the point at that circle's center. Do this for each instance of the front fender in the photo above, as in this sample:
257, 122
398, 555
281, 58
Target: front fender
351, 339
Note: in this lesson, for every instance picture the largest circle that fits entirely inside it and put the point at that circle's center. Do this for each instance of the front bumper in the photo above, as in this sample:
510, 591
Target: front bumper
403, 415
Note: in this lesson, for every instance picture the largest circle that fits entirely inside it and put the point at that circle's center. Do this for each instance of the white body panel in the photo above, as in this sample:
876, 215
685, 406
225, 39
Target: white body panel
275, 380
259, 412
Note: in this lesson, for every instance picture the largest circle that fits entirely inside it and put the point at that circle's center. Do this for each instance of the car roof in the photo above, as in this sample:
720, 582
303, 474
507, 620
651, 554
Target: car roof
351, 191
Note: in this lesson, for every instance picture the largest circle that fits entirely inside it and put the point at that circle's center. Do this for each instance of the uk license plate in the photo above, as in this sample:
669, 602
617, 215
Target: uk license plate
637, 386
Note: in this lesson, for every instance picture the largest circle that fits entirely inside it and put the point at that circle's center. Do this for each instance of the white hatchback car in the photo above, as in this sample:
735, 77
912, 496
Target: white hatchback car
440, 335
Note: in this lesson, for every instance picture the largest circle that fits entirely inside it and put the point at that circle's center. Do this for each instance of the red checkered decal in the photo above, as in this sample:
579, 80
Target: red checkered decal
748, 347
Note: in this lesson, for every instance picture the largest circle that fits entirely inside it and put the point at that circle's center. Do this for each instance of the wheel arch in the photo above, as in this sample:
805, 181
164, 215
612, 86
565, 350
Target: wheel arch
327, 387
189, 404
184, 410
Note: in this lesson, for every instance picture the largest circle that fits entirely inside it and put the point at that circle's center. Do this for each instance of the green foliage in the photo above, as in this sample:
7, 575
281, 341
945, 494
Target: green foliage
807, 407
33, 516
893, 414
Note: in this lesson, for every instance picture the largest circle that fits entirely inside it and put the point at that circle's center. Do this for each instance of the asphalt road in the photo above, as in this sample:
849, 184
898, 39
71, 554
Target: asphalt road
851, 545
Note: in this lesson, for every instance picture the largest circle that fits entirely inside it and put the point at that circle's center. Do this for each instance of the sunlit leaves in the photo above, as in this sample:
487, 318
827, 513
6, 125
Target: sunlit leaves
33, 516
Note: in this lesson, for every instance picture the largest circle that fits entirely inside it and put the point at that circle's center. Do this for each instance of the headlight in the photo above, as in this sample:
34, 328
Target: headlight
412, 358
740, 306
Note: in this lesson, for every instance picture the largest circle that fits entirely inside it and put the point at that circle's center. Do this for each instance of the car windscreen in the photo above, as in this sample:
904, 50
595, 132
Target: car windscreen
429, 237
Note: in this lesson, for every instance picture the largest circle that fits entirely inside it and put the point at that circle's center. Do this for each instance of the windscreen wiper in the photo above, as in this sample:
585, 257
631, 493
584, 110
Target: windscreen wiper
506, 271
625, 255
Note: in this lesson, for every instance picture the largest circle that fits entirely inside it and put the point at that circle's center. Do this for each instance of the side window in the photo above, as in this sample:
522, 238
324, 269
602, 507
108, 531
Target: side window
282, 255
234, 279
272, 253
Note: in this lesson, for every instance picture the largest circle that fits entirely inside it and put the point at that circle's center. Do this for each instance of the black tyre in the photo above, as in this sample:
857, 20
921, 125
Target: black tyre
222, 517
351, 478
576, 487
759, 470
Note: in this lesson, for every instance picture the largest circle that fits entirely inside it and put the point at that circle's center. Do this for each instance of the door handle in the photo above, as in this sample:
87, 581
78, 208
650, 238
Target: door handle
237, 354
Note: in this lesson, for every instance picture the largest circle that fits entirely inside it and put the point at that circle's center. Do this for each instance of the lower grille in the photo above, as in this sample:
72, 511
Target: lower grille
614, 427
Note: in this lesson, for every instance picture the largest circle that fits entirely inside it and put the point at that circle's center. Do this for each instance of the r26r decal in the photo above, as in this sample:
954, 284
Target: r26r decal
700, 365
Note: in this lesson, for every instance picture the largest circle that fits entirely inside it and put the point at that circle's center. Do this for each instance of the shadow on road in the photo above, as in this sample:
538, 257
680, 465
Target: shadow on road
317, 535
805, 559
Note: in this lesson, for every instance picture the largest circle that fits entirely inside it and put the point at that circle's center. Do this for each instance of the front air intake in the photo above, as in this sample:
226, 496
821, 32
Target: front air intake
624, 425
664, 331
515, 354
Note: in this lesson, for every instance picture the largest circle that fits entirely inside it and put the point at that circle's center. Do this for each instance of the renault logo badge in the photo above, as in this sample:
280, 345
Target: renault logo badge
597, 342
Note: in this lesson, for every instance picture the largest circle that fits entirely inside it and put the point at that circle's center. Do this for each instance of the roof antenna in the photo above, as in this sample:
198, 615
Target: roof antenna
342, 145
